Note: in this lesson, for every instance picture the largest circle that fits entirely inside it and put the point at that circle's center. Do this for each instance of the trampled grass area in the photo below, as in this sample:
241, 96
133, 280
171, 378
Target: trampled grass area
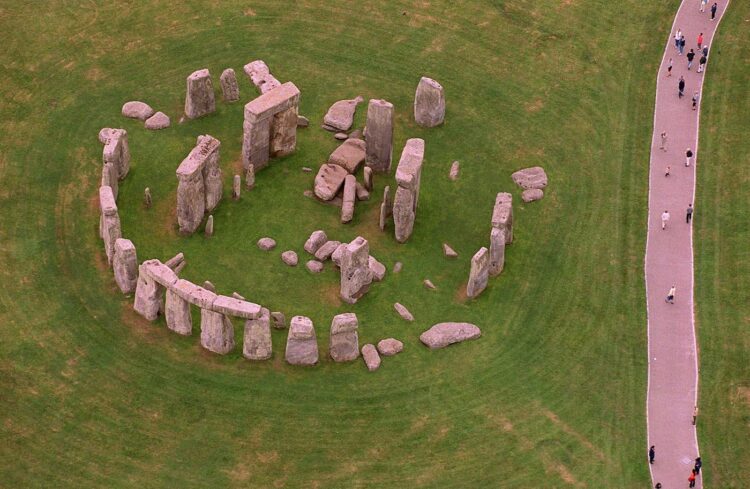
552, 395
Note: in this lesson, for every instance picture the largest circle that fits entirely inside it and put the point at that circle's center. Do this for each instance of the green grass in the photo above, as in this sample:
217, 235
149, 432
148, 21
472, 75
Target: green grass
552, 395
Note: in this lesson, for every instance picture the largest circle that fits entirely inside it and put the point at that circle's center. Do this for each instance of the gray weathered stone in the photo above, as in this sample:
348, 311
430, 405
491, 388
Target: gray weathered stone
209, 231
314, 266
377, 269
344, 341
260, 76
147, 200
361, 192
307, 169
448, 251
137, 110
159, 272
428, 284
371, 357
532, 194
117, 151
109, 221
356, 275
217, 332
230, 306
336, 255
329, 180
229, 88
104, 134
324, 252
429, 103
301, 344
250, 177
199, 184
160, 120
480, 267
349, 155
379, 135
502, 215
211, 170
266, 244
236, 187
278, 319
390, 346
340, 115
257, 337
290, 258
403, 312
177, 312
199, 97
453, 174
408, 176
443, 334
497, 251
350, 196
386, 208
125, 265
315, 241
367, 178
148, 293
528, 178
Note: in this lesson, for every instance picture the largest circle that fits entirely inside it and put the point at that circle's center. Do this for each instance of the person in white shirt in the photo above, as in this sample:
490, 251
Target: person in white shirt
664, 219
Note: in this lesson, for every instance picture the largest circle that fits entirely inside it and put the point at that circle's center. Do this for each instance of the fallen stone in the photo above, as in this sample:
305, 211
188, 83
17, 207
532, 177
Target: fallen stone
194, 294
256, 343
429, 103
290, 258
199, 97
350, 194
125, 265
349, 155
266, 244
397, 267
453, 174
315, 241
341, 136
344, 340
329, 180
371, 357
361, 192
301, 344
444, 334
325, 251
528, 178
479, 273
356, 275
356, 134
229, 88
160, 120
428, 283
340, 115
137, 110
386, 208
302, 121
403, 312
377, 269
379, 135
336, 255
159, 272
532, 194
278, 320
448, 251
390, 346
314, 266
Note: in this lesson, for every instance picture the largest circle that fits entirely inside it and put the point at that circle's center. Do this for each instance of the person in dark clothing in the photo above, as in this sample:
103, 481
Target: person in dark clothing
681, 87
698, 465
652, 454
702, 64
658, 485
682, 44
690, 56
713, 11
705, 50
688, 217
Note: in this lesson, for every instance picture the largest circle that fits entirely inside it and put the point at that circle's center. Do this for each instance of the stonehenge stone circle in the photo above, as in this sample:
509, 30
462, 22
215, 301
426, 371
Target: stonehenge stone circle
329, 180
199, 185
109, 221
340, 115
349, 155
343, 340
137, 110
528, 178
290, 258
403, 312
260, 76
532, 194
270, 127
315, 241
371, 357
429, 103
199, 97
301, 344
479, 273
153, 279
390, 346
443, 334
160, 120
356, 275
379, 135
408, 176
256, 343
125, 265
350, 196
117, 151
229, 89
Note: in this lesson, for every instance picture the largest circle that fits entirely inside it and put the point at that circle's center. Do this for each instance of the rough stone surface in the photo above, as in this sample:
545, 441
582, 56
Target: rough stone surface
302, 121
210, 287
390, 346
367, 178
290, 258
301, 344
147, 200
194, 294
160, 120
428, 284
125, 265
455, 168
386, 208
479, 274
497, 251
356, 275
528, 178
340, 115
408, 176
256, 344
324, 252
371, 357
356, 134
109, 221
532, 194
344, 341
260, 76
336, 255
443, 334
211, 170
177, 312
349, 155
350, 196
217, 332
199, 184
448, 251
236, 187
315, 241
403, 213
162, 274
429, 103
137, 110
403, 312
502, 215
314, 266
229, 88
329, 180
105, 133
379, 135
199, 97
209, 230
361, 192
377, 269
278, 319
230, 306
148, 293
341, 136
266, 244
116, 151
307, 169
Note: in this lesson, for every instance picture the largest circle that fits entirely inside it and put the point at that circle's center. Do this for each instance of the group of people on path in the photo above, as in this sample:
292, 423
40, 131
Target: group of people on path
693, 472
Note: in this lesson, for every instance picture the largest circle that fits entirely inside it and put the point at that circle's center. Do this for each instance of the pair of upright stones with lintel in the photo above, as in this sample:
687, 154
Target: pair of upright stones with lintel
115, 167
489, 263
302, 345
200, 186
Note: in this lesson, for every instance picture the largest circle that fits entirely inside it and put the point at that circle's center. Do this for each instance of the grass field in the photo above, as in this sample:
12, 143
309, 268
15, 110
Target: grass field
552, 395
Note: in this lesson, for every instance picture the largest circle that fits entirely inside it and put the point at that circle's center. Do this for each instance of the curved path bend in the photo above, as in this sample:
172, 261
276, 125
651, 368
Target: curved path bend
672, 349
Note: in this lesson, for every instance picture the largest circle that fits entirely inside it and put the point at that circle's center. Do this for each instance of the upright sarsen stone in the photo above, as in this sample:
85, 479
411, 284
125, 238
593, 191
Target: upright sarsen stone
347, 206
209, 148
344, 341
497, 251
429, 103
153, 278
408, 177
229, 88
199, 185
301, 344
117, 151
177, 312
479, 273
109, 221
257, 339
379, 135
356, 275
502, 215
199, 99
125, 265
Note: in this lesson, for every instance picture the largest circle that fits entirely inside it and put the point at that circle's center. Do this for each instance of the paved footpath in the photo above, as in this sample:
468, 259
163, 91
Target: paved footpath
672, 350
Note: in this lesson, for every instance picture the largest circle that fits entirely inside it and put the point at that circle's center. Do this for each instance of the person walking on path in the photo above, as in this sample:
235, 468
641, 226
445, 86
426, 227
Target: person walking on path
670, 295
705, 50
682, 44
700, 40
695, 99
691, 479
663, 146
703, 5
688, 218
690, 55
698, 465
669, 68
688, 156
681, 87
695, 409
652, 455
664, 219
666, 172
677, 37
713, 11
658, 485
702, 63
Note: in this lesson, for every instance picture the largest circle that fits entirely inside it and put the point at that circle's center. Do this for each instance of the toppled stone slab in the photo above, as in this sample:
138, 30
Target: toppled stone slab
199, 97
137, 110
528, 178
229, 88
340, 115
444, 334
356, 275
361, 192
336, 255
257, 337
315, 241
160, 120
349, 198
260, 76
266, 244
448, 251
290, 258
532, 194
344, 340
349, 155
403, 312
229, 306
390, 346
371, 357
377, 269
367, 178
379, 135
479, 274
314, 266
301, 344
329, 180
278, 319
325, 251
455, 168
429, 103
125, 265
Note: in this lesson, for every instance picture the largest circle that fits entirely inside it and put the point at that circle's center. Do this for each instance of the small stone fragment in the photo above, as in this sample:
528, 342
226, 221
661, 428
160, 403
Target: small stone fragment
307, 169
301, 344
448, 251
532, 194
257, 338
403, 312
361, 192
325, 251
341, 136
315, 241
390, 346
336, 255
229, 88
429, 103
367, 177
125, 265
266, 244
428, 283
386, 208
397, 267
453, 175
147, 198
344, 340
278, 320
302, 121
160, 120
175, 261
250, 177
137, 110
371, 357
444, 334
236, 187
208, 285
377, 269
314, 266
210, 226
290, 258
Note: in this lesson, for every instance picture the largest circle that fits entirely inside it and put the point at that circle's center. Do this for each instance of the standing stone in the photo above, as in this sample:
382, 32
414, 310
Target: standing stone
350, 196
109, 221
344, 341
356, 275
371, 357
361, 192
479, 273
386, 208
199, 99
176, 262
532, 194
301, 344
109, 178
210, 226
502, 215
125, 265
199, 185
379, 135
497, 251
367, 177
117, 151
278, 319
217, 332
377, 269
315, 241
229, 88
148, 295
178, 316
147, 200
236, 187
340, 115
429, 103
453, 174
257, 339
211, 170
408, 176
250, 177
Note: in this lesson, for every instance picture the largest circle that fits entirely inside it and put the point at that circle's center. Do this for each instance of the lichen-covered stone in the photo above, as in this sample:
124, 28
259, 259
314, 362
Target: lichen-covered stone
229, 88
443, 334
301, 344
429, 103
371, 357
199, 99
125, 265
344, 341
356, 275
257, 337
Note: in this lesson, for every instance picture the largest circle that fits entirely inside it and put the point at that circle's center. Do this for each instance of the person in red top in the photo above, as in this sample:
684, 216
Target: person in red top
691, 479
700, 40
